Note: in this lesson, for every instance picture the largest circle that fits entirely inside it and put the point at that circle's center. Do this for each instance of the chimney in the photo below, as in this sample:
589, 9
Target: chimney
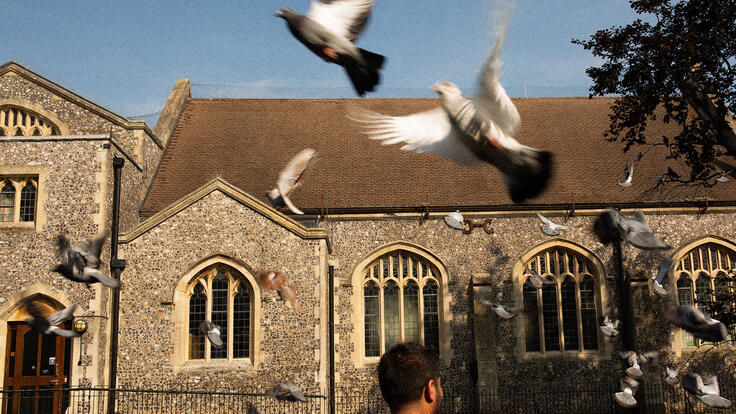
174, 105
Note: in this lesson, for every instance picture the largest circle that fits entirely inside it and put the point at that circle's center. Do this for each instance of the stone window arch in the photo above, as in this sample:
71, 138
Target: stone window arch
18, 197
561, 317
16, 120
225, 292
401, 296
703, 269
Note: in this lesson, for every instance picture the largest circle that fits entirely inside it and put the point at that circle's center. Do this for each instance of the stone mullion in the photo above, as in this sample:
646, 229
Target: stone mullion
208, 312
540, 319
420, 284
16, 200
381, 312
579, 312
230, 318
402, 283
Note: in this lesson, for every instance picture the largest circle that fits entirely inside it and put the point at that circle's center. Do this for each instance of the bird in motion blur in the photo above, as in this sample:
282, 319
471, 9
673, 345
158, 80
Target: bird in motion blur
470, 131
290, 178
329, 30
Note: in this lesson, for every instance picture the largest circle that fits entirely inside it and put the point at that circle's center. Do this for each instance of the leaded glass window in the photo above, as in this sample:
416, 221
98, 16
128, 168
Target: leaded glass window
220, 294
561, 316
28, 202
7, 201
401, 300
18, 199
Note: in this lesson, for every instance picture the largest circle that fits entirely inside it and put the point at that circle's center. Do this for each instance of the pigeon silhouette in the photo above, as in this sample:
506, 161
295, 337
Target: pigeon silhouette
629, 176
470, 131
47, 325
288, 294
609, 327
707, 392
701, 326
664, 268
671, 378
538, 281
286, 391
212, 332
454, 220
329, 30
290, 179
81, 263
549, 227
611, 225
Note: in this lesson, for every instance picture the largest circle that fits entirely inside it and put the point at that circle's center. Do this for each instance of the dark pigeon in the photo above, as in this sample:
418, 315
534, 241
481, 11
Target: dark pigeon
286, 391
81, 263
691, 319
47, 324
329, 30
611, 225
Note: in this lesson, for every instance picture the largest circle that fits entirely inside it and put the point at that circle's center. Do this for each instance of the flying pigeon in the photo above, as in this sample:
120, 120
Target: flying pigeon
538, 281
454, 220
252, 409
290, 179
627, 181
723, 178
706, 391
212, 332
691, 319
329, 30
611, 225
288, 294
634, 370
501, 311
609, 327
81, 263
664, 268
625, 397
286, 391
272, 279
468, 131
47, 324
671, 378
549, 227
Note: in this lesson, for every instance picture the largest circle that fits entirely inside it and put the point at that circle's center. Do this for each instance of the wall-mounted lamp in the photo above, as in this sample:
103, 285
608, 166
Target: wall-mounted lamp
80, 327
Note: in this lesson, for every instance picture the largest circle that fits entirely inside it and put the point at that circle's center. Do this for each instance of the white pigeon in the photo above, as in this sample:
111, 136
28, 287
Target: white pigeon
549, 227
634, 370
47, 324
504, 312
664, 268
538, 281
629, 177
454, 220
212, 332
625, 397
609, 327
290, 179
671, 378
723, 178
469, 131
707, 391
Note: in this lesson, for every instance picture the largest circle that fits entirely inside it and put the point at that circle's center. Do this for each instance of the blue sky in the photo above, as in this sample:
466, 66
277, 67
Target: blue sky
126, 55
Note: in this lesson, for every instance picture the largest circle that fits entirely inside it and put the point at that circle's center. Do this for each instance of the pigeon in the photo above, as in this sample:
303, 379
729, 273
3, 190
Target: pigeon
609, 327
538, 281
691, 319
706, 391
272, 279
501, 311
47, 324
634, 370
549, 227
625, 397
611, 225
470, 131
252, 409
290, 179
81, 263
329, 30
212, 332
723, 178
627, 181
286, 391
671, 378
454, 220
664, 268
288, 294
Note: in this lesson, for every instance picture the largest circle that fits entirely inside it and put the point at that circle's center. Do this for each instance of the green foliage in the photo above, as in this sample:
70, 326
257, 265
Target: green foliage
678, 64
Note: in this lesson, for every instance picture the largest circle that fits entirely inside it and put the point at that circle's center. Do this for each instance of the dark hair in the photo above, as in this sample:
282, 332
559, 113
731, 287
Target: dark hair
403, 372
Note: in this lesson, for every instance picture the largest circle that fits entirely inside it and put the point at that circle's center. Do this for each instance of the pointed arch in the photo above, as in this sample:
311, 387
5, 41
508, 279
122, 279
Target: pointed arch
400, 293
21, 118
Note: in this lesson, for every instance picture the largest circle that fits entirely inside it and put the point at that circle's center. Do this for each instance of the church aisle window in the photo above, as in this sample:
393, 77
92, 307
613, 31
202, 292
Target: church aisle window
18, 197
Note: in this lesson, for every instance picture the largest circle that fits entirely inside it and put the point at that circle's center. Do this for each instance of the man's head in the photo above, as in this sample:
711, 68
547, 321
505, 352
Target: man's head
409, 377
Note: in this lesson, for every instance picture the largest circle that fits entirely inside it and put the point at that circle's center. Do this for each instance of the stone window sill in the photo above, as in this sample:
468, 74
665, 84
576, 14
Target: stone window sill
240, 363
25, 225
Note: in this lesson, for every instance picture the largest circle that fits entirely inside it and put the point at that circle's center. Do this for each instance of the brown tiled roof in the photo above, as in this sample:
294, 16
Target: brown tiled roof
248, 141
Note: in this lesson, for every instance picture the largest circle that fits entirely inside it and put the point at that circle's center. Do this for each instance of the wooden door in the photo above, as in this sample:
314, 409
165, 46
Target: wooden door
35, 365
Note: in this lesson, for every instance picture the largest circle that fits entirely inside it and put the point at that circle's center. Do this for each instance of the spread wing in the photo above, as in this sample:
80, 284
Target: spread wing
345, 18
293, 171
62, 315
428, 131
491, 100
91, 250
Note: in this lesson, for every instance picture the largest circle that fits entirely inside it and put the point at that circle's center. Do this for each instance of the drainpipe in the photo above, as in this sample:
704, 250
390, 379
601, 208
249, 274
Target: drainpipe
116, 267
331, 328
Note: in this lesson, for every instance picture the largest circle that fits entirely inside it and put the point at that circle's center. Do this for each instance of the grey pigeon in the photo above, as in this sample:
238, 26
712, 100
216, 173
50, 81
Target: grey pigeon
611, 225
671, 378
286, 391
707, 392
470, 131
625, 397
290, 179
629, 176
500, 310
549, 227
212, 332
723, 178
81, 263
609, 327
701, 326
634, 370
329, 30
664, 268
538, 281
454, 220
47, 325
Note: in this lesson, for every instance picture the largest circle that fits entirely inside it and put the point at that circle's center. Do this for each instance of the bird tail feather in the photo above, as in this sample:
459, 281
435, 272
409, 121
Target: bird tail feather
529, 182
365, 76
108, 281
